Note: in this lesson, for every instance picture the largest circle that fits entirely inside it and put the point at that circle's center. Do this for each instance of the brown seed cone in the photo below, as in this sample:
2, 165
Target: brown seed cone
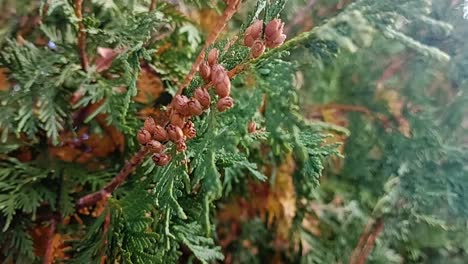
253, 33
273, 30
143, 136
149, 125
257, 49
225, 103
155, 146
213, 57
205, 71
160, 134
223, 88
175, 133
181, 146
177, 119
179, 104
277, 42
203, 97
218, 74
189, 130
194, 107
161, 159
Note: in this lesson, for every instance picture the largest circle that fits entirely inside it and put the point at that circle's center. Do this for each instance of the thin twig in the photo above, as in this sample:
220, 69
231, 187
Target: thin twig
230, 10
81, 35
153, 5
395, 65
356, 108
367, 242
131, 165
49, 254
45, 9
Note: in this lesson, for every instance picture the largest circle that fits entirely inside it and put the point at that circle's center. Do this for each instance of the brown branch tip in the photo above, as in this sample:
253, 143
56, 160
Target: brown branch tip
81, 35
367, 242
231, 9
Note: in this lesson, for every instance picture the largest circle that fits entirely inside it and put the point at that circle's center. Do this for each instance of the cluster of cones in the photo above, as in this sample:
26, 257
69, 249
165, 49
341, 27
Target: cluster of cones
259, 37
212, 72
182, 108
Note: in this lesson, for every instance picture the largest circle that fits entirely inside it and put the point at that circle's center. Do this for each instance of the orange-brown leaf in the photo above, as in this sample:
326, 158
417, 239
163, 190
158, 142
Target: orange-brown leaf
149, 87
4, 83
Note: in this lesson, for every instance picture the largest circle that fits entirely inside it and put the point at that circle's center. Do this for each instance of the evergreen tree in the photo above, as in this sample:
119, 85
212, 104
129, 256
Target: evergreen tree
212, 131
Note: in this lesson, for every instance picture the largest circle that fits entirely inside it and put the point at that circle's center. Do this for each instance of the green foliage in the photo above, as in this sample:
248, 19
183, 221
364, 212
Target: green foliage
414, 182
22, 188
19, 241
35, 89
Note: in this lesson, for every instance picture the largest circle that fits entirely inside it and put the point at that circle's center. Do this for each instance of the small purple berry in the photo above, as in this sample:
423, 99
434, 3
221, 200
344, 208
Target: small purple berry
51, 45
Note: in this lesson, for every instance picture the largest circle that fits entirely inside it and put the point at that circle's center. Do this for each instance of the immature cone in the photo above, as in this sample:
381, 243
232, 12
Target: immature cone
149, 125
143, 136
225, 103
177, 119
274, 29
278, 42
274, 33
253, 33
180, 104
205, 71
161, 159
203, 97
189, 130
223, 88
257, 48
194, 107
175, 133
181, 146
155, 146
218, 73
213, 57
160, 134
252, 127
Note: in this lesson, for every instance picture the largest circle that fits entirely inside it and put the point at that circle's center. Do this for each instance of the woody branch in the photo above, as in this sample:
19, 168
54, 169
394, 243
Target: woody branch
81, 35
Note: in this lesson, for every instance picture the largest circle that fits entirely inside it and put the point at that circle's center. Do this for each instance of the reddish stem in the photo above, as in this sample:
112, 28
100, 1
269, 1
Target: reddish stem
395, 65
49, 254
230, 10
356, 108
129, 167
81, 35
367, 242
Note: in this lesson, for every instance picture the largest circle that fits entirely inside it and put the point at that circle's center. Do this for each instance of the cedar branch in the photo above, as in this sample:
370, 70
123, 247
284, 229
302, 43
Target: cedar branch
93, 198
129, 167
367, 242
